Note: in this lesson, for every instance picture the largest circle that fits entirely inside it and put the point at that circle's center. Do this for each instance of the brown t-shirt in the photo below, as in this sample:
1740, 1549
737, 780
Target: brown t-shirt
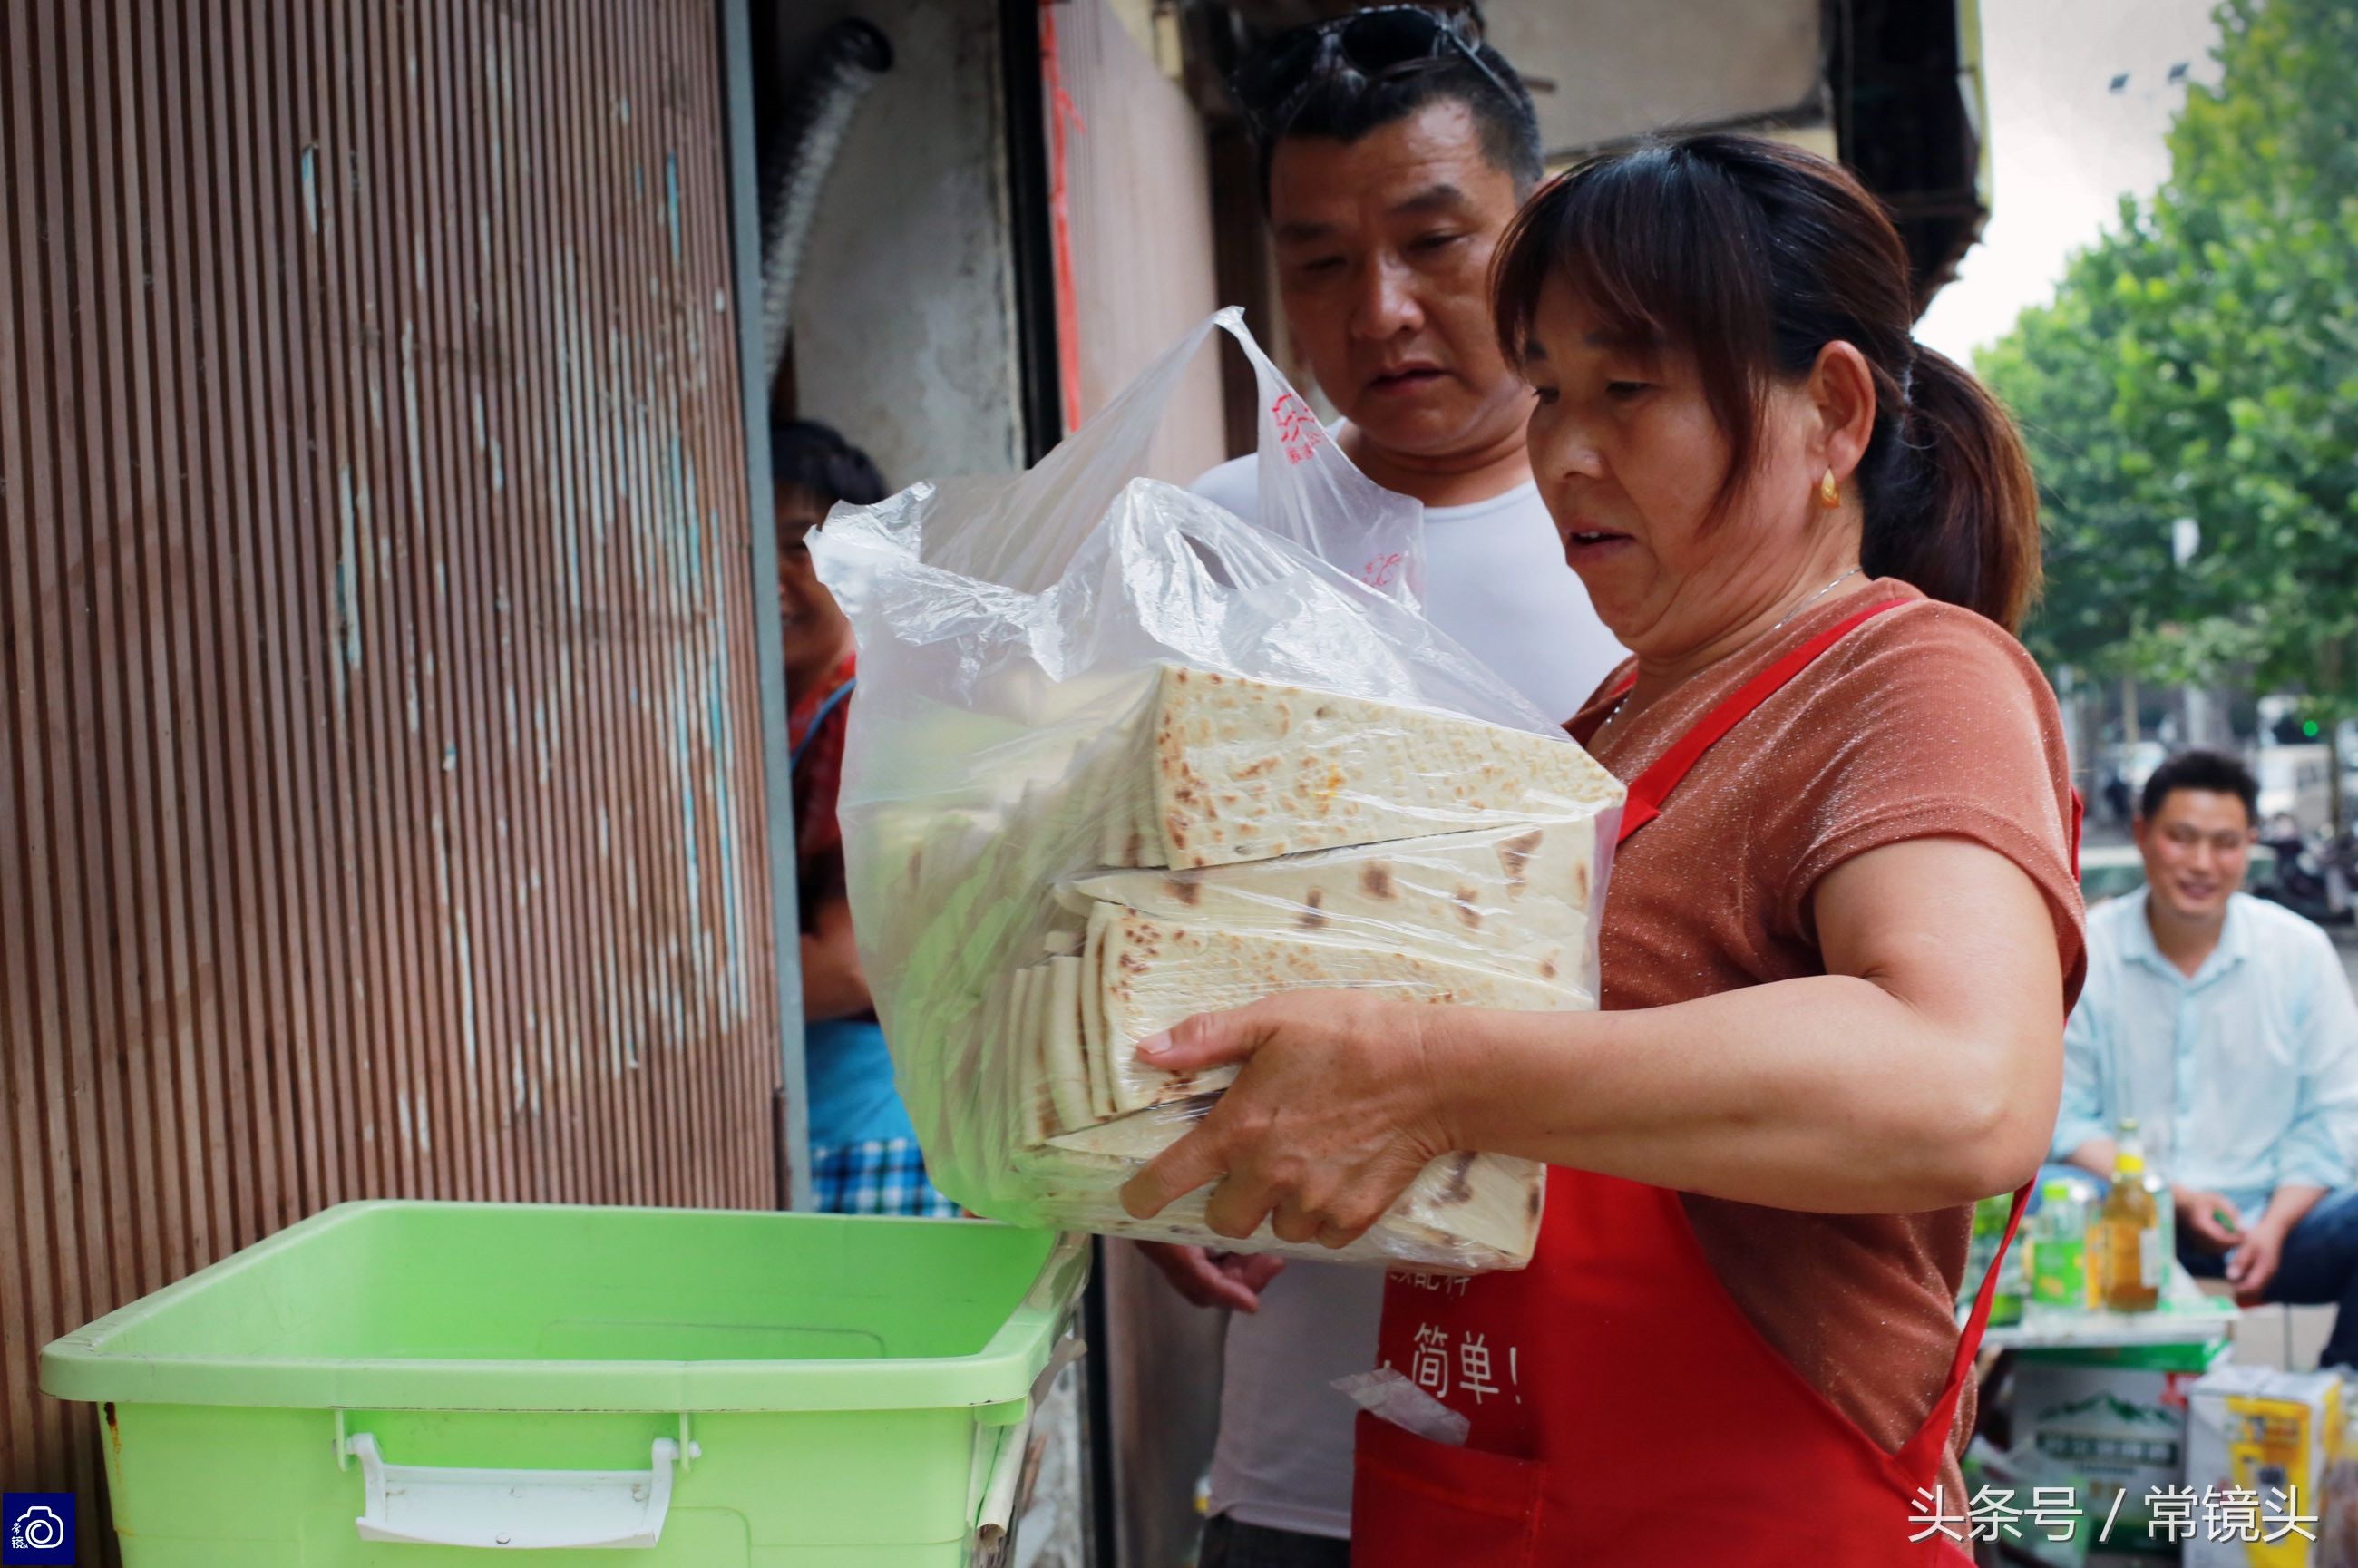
1926, 721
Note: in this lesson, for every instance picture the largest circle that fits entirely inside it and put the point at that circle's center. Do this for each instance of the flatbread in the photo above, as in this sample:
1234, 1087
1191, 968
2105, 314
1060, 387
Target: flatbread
1104, 795
1060, 1038
1020, 1045
1462, 1204
1248, 770
1093, 1030
1140, 1136
1036, 1104
1481, 1200
1144, 845
1154, 973
1514, 899
1111, 779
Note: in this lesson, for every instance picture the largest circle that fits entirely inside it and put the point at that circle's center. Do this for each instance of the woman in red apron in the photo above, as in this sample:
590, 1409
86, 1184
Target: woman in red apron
1839, 935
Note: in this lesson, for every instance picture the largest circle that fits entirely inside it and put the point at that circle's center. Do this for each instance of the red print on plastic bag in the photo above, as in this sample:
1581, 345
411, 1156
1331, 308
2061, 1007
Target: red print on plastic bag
1298, 431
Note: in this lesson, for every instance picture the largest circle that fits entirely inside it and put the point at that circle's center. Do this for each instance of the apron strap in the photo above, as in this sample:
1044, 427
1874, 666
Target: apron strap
1922, 1455
1654, 785
833, 701
2079, 819
1920, 1459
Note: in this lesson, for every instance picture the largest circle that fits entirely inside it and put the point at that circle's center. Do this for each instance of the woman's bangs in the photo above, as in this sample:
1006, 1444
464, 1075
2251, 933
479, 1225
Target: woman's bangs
1612, 233
1667, 254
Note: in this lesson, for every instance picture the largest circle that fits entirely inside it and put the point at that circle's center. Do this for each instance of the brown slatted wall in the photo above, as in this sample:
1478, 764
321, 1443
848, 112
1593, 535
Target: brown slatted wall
379, 767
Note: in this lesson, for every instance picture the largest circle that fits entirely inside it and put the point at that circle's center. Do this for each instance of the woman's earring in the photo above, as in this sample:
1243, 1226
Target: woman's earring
1829, 492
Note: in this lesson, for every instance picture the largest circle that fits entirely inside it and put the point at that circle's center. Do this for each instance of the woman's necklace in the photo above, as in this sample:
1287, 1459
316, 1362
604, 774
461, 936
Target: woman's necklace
1615, 712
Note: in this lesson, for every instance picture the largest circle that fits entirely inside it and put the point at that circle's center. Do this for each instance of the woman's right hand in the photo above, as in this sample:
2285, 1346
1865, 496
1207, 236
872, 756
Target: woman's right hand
1209, 1279
1337, 1110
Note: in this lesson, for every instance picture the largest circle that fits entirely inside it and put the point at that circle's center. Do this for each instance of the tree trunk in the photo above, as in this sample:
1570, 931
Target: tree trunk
2082, 702
2330, 667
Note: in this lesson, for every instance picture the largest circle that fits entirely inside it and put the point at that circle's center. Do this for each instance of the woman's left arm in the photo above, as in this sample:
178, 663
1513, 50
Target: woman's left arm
1922, 1070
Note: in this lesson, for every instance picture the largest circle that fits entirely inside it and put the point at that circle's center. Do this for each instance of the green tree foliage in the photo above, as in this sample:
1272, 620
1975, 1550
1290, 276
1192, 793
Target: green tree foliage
2201, 360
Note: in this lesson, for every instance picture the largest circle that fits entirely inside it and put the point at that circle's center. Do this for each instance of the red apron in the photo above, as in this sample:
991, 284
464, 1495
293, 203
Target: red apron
1623, 1409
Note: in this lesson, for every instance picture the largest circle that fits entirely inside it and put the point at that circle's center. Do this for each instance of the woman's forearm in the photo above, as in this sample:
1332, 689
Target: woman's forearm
1922, 1070
1826, 1094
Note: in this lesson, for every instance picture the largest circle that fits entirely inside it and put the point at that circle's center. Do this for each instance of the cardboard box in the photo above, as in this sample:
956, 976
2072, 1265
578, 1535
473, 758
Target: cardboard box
2118, 1429
2272, 1433
2020, 1476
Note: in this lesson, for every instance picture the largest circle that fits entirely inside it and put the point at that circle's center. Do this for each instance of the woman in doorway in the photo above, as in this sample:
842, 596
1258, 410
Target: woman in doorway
1840, 939
864, 1154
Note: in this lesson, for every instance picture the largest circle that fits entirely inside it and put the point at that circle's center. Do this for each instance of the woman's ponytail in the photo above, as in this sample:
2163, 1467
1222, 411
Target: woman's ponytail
1753, 255
1951, 505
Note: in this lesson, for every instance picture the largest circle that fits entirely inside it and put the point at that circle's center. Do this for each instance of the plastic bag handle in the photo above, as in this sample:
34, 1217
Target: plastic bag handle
1311, 494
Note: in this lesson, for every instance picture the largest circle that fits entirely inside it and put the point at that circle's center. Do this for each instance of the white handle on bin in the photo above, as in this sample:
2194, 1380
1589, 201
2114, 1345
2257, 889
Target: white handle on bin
502, 1510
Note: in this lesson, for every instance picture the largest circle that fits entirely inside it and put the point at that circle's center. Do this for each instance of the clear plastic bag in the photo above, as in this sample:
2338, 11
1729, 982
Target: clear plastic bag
1120, 758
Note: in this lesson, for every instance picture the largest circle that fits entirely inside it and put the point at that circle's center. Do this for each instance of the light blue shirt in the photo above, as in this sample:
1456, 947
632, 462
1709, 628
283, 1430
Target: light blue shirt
2249, 1069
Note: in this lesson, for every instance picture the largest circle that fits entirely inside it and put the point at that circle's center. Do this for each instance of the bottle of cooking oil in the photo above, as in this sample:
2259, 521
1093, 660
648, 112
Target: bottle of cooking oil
2129, 1223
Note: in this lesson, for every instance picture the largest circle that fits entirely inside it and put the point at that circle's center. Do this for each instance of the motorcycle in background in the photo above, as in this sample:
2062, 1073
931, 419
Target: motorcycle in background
2313, 877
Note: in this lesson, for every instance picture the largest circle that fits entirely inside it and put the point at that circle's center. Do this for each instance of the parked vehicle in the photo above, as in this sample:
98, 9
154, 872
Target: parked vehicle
2312, 876
2121, 770
2347, 746
2109, 870
2296, 790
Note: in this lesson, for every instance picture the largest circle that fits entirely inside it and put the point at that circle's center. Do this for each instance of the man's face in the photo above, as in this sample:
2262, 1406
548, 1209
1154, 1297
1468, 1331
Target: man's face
2196, 846
813, 620
1383, 251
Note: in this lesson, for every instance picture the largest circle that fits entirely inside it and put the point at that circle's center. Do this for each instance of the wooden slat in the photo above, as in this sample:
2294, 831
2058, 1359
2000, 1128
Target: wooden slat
381, 778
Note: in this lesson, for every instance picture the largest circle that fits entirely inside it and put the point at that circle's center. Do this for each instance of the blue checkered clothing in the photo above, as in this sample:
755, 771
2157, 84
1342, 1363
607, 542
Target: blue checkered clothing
877, 1176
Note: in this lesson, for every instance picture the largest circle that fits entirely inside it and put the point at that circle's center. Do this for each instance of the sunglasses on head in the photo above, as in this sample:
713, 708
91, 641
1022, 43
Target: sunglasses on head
1384, 43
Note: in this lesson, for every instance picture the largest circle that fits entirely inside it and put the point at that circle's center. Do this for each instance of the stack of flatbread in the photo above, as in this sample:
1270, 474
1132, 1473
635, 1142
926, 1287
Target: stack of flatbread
1251, 838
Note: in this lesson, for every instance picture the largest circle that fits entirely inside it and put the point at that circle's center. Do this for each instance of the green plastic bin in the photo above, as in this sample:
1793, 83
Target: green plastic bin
409, 1385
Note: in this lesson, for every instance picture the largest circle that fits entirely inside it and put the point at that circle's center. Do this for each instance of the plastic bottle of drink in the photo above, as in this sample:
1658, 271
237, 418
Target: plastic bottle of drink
2092, 1241
2058, 1250
2157, 1164
2130, 1226
2013, 1292
1989, 1229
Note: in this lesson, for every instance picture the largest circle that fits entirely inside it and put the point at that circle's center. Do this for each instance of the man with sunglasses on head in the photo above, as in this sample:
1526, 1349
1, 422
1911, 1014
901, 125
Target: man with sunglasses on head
1394, 146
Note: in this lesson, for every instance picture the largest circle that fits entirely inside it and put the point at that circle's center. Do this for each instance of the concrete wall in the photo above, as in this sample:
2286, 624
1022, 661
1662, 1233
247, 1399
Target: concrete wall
1621, 68
904, 315
1141, 199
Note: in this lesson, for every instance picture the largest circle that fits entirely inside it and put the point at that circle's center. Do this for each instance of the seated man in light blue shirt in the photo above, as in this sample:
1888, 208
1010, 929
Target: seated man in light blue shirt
2225, 1026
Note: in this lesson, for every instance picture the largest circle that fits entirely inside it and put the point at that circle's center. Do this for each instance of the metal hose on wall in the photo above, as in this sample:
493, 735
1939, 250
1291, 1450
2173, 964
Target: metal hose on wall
796, 158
